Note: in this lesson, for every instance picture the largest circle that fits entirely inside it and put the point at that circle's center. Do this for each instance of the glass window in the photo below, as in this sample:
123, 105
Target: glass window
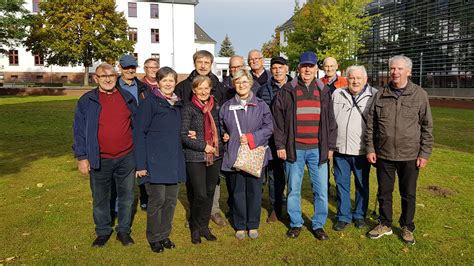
155, 35
39, 60
153, 10
132, 34
132, 10
13, 57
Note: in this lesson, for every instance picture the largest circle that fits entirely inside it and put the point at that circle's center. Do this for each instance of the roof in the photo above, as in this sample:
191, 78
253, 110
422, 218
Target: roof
201, 36
185, 2
287, 25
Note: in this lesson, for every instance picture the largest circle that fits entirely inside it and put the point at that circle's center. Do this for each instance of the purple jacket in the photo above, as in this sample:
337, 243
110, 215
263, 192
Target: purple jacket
257, 121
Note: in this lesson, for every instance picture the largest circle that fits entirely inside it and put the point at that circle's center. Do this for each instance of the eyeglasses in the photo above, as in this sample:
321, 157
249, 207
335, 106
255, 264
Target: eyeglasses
149, 67
255, 59
236, 67
104, 77
240, 83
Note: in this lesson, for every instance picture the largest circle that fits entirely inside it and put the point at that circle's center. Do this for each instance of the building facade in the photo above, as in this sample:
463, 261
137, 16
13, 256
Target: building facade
163, 29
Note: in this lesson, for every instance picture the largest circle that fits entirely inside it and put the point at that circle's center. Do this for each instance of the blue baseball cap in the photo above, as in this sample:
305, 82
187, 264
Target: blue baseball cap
308, 58
128, 61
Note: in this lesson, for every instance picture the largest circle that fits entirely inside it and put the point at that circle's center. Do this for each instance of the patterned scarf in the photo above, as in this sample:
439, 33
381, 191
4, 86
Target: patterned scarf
210, 129
171, 100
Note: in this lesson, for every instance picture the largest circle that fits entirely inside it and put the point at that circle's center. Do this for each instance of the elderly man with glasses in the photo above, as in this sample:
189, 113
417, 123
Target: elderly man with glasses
259, 73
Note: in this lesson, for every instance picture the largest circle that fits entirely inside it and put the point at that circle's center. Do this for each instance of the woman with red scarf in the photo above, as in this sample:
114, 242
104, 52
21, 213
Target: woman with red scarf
203, 155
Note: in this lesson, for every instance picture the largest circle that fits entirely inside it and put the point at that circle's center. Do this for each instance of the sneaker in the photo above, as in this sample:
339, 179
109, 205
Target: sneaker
407, 236
360, 223
253, 234
143, 206
293, 232
340, 226
240, 235
379, 231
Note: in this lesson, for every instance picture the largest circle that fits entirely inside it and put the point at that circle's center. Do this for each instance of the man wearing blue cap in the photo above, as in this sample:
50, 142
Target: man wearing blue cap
305, 133
128, 79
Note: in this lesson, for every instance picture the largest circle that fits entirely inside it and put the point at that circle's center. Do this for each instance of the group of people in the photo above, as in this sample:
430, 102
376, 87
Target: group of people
164, 133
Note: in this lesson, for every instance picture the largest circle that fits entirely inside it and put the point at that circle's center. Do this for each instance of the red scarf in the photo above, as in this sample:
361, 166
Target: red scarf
210, 129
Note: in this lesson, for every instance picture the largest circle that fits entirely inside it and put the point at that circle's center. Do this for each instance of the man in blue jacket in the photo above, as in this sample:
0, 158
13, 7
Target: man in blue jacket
103, 146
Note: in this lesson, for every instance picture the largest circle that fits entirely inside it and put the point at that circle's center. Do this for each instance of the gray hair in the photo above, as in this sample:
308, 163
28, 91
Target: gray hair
407, 60
243, 73
105, 66
353, 68
254, 51
237, 56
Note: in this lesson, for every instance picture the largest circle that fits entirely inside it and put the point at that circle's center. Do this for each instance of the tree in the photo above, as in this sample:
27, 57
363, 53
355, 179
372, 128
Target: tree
79, 32
329, 28
14, 21
226, 48
272, 47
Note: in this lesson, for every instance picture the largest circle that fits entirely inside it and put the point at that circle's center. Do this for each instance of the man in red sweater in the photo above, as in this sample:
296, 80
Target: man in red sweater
104, 149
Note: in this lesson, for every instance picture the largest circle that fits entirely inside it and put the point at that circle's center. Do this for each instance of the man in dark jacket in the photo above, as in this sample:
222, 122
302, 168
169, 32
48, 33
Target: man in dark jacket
259, 73
275, 170
399, 138
203, 61
236, 62
128, 81
305, 133
103, 146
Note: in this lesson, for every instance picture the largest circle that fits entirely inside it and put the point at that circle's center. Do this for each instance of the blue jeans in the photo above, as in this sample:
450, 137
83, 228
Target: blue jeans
344, 165
319, 183
122, 171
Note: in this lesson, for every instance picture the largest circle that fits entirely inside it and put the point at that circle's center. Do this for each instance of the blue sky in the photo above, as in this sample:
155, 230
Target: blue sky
249, 23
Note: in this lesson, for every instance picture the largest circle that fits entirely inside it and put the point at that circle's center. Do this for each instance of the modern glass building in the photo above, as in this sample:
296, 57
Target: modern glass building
438, 35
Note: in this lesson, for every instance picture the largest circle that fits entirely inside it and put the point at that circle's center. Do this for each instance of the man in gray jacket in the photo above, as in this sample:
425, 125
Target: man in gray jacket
351, 105
399, 139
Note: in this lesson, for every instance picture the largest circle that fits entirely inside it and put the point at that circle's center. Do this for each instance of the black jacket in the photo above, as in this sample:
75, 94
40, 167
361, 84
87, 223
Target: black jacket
143, 89
284, 121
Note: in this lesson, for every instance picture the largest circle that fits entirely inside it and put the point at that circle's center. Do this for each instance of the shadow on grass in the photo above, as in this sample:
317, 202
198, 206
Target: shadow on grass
34, 130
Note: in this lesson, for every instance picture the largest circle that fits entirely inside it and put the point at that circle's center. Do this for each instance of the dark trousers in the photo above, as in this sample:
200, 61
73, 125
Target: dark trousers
143, 194
407, 177
200, 184
160, 211
246, 191
276, 184
122, 172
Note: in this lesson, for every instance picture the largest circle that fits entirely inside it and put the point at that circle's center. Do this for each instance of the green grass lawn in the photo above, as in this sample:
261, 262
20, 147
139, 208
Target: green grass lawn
46, 214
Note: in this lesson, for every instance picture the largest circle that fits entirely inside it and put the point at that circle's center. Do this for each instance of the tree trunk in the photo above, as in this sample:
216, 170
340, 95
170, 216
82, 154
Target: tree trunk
86, 75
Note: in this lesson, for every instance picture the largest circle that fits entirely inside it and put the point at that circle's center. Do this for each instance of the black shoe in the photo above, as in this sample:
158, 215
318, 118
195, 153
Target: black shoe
167, 243
293, 232
206, 233
125, 238
195, 237
360, 223
340, 226
100, 241
320, 234
143, 206
157, 247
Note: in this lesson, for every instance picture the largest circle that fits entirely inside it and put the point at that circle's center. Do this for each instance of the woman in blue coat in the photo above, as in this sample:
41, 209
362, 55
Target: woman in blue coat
257, 126
160, 157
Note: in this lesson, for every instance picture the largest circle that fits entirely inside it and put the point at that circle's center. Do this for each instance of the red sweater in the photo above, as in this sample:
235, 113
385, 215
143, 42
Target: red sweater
115, 132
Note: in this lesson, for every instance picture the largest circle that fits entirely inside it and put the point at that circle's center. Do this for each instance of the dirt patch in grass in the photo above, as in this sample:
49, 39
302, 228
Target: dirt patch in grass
439, 191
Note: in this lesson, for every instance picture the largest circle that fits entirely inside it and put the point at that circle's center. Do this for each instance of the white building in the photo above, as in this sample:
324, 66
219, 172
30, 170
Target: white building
163, 29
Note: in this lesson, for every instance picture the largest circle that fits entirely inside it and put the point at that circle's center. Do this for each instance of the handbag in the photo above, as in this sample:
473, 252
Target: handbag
249, 160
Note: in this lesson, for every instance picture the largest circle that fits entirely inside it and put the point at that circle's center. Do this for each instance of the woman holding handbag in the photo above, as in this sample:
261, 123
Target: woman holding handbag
203, 155
160, 158
246, 121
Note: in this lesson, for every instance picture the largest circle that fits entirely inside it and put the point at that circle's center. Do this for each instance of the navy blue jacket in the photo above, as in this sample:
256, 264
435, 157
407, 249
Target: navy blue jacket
268, 91
158, 146
142, 89
86, 125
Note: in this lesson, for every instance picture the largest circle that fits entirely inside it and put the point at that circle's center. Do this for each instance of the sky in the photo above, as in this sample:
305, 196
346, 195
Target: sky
248, 23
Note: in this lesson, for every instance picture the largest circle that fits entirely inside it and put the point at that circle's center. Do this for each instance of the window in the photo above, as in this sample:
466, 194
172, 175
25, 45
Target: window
153, 10
132, 34
157, 57
155, 35
13, 57
36, 5
39, 60
136, 57
132, 10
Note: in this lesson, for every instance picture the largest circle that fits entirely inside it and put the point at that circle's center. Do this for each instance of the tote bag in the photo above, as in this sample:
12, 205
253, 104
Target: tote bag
248, 160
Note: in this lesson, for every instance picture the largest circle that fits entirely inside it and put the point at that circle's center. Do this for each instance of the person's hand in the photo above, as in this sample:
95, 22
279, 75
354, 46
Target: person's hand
421, 162
226, 137
371, 157
281, 154
244, 140
84, 166
192, 134
141, 173
209, 149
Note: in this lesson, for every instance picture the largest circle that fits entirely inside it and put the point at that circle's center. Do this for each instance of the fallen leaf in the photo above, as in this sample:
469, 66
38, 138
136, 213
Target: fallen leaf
10, 259
420, 205
50, 205
362, 236
405, 249
46, 211
75, 247
47, 189
448, 227
425, 235
27, 188
40, 185
25, 234
66, 203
